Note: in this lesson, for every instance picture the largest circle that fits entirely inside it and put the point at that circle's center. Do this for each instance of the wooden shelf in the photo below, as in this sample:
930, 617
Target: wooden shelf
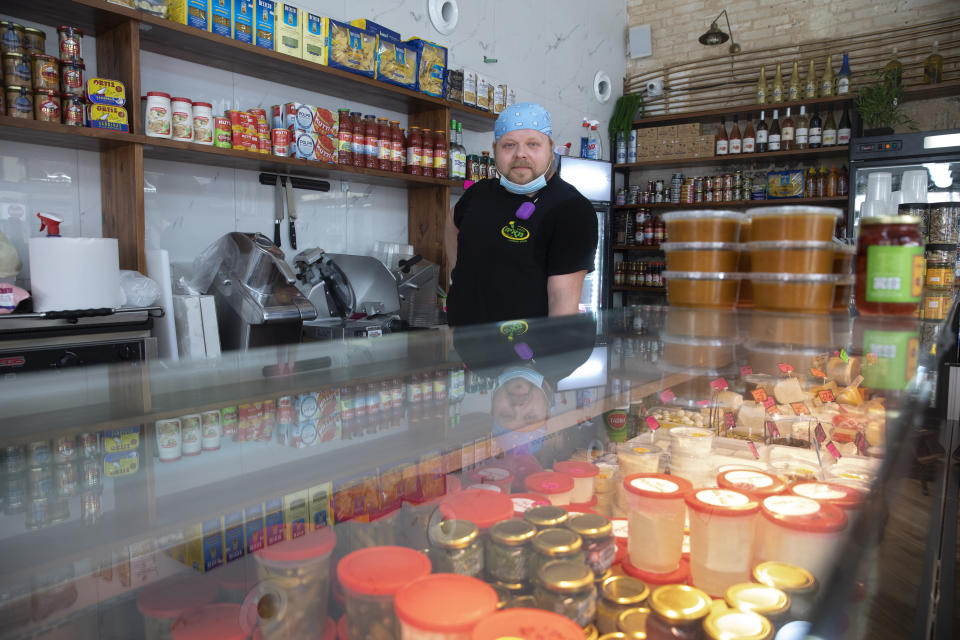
53, 134
662, 290
926, 91
841, 200
838, 150
637, 247
712, 114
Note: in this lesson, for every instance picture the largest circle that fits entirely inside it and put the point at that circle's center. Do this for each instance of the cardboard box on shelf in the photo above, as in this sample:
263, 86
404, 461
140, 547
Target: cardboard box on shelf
243, 17
315, 31
668, 132
707, 146
688, 129
221, 19
265, 22
193, 13
647, 133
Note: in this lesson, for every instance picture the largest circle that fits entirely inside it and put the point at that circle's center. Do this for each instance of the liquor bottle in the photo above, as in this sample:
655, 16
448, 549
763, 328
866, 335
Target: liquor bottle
894, 68
822, 182
762, 85
810, 83
786, 132
816, 131
843, 131
723, 142
454, 166
933, 66
843, 184
794, 89
802, 131
843, 78
833, 179
826, 81
774, 137
762, 133
736, 142
830, 130
809, 182
749, 137
778, 87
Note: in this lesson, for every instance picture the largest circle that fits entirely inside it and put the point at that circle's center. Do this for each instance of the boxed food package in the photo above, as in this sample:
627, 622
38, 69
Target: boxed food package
785, 184
243, 21
233, 541
455, 85
193, 13
295, 513
106, 91
431, 67
690, 129
294, 116
105, 116
668, 132
373, 27
352, 49
316, 30
221, 18
289, 35
265, 22
320, 498
470, 87
396, 62
204, 545
326, 151
273, 521
253, 528
707, 146
325, 122
483, 92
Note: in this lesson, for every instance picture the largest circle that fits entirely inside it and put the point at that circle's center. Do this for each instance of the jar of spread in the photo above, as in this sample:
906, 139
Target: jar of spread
508, 550
344, 137
566, 587
46, 72
71, 77
943, 223
34, 40
596, 533
633, 622
440, 155
19, 102
441, 607
203, 123
546, 516
396, 147
16, 69
770, 602
181, 114
889, 266
677, 612
158, 116
456, 548
732, 624
617, 595
46, 106
798, 583
70, 45
556, 544
384, 144
371, 142
426, 153
12, 38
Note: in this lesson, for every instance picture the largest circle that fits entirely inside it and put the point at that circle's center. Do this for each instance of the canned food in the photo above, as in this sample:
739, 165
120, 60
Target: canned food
717, 183
39, 482
89, 444
71, 77
38, 513
16, 493
91, 508
168, 439
260, 115
19, 102
16, 69
71, 110
191, 434
70, 45
658, 186
66, 482
12, 37
39, 453
46, 106
708, 195
91, 476
737, 179
223, 133
14, 458
727, 181
64, 449
281, 142
34, 40
46, 72
728, 194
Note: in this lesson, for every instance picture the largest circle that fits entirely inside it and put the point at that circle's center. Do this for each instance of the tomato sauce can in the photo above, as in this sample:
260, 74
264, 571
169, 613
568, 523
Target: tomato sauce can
223, 133
281, 142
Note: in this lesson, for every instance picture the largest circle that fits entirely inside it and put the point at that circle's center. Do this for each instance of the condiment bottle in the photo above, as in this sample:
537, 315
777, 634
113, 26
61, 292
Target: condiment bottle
833, 180
344, 137
426, 153
359, 139
723, 142
933, 66
396, 151
384, 144
889, 266
371, 144
414, 148
677, 612
485, 164
440, 155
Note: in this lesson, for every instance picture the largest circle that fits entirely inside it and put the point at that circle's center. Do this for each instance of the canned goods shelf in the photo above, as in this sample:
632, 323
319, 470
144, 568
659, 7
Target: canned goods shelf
706, 161
654, 248
54, 134
841, 200
662, 290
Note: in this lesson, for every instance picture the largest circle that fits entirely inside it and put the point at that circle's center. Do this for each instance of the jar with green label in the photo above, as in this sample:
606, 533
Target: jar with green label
508, 550
456, 548
890, 266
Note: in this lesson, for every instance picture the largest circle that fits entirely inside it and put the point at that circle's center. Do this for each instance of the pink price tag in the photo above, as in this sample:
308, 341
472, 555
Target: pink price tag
746, 371
861, 442
667, 396
729, 420
786, 368
832, 448
826, 395
820, 433
719, 384
753, 450
703, 403
769, 402
772, 429
652, 423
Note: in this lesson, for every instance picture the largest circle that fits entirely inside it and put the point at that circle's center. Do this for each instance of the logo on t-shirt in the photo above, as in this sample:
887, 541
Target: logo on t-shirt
514, 232
514, 328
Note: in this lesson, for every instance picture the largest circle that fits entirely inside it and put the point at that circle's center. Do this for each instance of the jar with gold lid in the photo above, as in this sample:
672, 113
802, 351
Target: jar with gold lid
555, 544
508, 550
507, 592
633, 623
599, 546
566, 587
590, 632
770, 602
798, 583
546, 516
677, 612
616, 635
733, 624
617, 595
456, 548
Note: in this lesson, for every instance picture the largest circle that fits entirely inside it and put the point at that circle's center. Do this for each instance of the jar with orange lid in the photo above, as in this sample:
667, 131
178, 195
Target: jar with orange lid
889, 266
517, 622
677, 612
443, 606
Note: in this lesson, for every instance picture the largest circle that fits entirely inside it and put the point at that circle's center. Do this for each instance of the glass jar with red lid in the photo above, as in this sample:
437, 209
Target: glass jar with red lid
426, 153
414, 150
889, 266
344, 137
372, 144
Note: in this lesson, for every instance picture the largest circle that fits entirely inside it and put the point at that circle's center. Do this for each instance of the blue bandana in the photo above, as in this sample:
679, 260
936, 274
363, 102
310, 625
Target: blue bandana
523, 115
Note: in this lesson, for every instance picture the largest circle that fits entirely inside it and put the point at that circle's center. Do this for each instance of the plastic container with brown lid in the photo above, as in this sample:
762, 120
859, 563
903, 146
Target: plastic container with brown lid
791, 256
800, 292
698, 352
702, 323
703, 225
712, 290
792, 329
701, 256
793, 223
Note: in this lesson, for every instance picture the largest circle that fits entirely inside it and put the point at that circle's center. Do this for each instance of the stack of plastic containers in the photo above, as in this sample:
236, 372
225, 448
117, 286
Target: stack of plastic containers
702, 258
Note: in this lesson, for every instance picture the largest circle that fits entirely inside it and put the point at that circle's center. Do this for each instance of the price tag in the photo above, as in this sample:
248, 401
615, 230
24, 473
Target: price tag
786, 368
826, 395
719, 384
800, 408
703, 403
861, 442
753, 450
844, 356
816, 373
652, 423
772, 429
832, 448
667, 396
759, 394
729, 420
820, 433
773, 410
746, 371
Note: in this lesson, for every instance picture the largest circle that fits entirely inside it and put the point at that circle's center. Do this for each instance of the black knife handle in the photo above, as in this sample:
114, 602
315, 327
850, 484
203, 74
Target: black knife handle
293, 235
276, 233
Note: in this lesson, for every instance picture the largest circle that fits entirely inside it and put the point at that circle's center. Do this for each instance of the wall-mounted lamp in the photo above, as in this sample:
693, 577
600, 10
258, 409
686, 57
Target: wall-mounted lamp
715, 36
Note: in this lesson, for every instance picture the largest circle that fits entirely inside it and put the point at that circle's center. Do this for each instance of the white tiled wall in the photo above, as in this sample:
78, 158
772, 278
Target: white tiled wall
548, 50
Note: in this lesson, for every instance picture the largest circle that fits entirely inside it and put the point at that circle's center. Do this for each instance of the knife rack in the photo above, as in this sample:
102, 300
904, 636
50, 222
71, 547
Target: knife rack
270, 179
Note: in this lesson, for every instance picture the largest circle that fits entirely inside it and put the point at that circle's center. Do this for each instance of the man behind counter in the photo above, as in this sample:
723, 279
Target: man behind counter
520, 246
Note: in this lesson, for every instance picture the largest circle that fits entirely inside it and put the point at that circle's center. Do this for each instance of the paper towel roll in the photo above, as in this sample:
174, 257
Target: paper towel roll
74, 273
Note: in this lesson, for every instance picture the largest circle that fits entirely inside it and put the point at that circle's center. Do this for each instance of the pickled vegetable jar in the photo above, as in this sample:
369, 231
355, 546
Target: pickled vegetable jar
546, 517
567, 588
162, 603
508, 550
371, 579
677, 612
889, 266
717, 518
798, 583
555, 544
618, 594
770, 602
456, 548
599, 546
655, 519
443, 606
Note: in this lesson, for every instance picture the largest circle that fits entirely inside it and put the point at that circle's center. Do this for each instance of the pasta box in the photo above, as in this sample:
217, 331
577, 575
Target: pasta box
289, 34
431, 67
243, 21
316, 29
221, 18
233, 541
265, 22
396, 62
373, 27
193, 13
785, 184
253, 529
352, 49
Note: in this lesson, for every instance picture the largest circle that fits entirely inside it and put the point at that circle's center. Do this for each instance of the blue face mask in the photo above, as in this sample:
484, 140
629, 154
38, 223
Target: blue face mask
533, 186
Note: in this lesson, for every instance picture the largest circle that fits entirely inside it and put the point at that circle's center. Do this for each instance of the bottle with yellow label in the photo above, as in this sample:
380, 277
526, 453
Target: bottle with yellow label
778, 86
810, 83
826, 81
762, 85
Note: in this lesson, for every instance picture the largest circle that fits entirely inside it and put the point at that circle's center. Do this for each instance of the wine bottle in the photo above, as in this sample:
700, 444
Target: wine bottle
933, 66
843, 131
810, 83
816, 131
778, 87
762, 133
749, 137
829, 130
786, 132
762, 85
843, 78
736, 142
802, 131
826, 82
773, 138
794, 89
723, 142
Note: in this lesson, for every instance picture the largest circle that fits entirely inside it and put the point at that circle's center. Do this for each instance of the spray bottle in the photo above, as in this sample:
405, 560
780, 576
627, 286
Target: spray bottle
585, 139
594, 146
51, 223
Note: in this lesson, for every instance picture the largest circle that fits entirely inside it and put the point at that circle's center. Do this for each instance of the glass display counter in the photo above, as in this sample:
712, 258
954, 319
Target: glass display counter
283, 492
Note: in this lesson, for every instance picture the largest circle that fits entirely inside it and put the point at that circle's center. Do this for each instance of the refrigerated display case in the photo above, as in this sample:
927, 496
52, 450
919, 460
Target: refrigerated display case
145, 497
592, 179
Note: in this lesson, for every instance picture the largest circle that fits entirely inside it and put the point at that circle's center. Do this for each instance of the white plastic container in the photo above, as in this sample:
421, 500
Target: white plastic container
636, 458
846, 497
158, 122
655, 521
557, 487
583, 474
722, 530
758, 484
168, 439
443, 606
191, 434
802, 532
181, 115
691, 441
203, 123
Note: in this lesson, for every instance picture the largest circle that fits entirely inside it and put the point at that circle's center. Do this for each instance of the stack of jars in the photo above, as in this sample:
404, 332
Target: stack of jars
639, 274
481, 166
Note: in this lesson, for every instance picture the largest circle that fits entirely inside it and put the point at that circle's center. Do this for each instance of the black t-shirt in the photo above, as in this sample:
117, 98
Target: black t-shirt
503, 262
